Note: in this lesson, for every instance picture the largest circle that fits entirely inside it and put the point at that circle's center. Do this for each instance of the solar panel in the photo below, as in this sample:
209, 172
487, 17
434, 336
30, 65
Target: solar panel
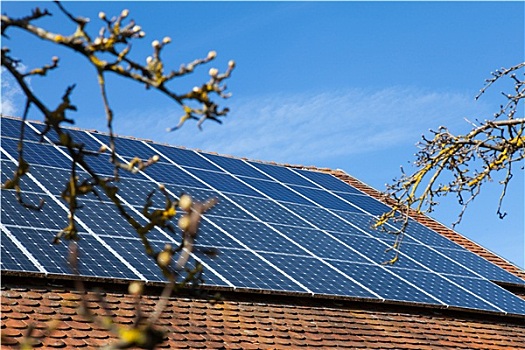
277, 229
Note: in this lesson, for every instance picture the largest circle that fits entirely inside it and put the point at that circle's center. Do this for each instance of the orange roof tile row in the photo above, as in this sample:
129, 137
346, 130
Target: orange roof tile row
243, 324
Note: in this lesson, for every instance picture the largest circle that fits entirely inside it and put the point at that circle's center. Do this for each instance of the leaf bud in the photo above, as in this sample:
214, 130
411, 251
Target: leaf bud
184, 222
162, 187
55, 59
135, 288
149, 59
185, 202
136, 28
101, 15
231, 64
164, 258
213, 72
166, 40
124, 13
155, 44
155, 158
212, 55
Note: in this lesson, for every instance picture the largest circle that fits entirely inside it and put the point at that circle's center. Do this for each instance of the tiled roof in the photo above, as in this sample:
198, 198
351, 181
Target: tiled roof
255, 322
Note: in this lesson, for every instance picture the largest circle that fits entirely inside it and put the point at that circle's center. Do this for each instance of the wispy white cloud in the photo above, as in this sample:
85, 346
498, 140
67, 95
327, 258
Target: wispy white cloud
306, 128
12, 95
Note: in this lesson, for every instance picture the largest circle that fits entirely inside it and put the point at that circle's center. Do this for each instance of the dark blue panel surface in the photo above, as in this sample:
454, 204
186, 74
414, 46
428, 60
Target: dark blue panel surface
376, 250
368, 204
316, 276
445, 291
185, 157
133, 251
268, 211
211, 236
51, 216
482, 266
38, 153
258, 236
12, 258
321, 218
429, 237
494, 294
277, 191
365, 223
320, 244
7, 170
328, 181
235, 166
382, 282
135, 191
96, 259
256, 274
129, 148
171, 174
434, 260
283, 174
223, 207
11, 128
224, 182
325, 199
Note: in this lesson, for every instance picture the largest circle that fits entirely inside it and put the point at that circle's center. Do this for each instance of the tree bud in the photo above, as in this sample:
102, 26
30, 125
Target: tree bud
101, 15
155, 43
213, 72
231, 64
124, 13
212, 55
166, 40
185, 202
155, 158
136, 28
135, 288
184, 222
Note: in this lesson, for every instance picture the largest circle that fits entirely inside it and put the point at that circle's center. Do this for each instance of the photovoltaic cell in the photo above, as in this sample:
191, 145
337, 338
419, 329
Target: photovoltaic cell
11, 128
317, 276
321, 218
7, 169
257, 236
185, 157
171, 174
375, 250
51, 216
434, 260
12, 258
442, 289
224, 182
325, 199
382, 282
368, 204
328, 181
267, 210
283, 174
211, 236
36, 153
276, 191
53, 257
320, 243
493, 293
481, 266
256, 274
235, 166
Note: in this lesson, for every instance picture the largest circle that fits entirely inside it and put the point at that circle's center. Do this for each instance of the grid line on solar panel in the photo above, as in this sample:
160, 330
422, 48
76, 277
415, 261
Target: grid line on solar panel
15, 256
328, 181
171, 174
276, 191
283, 174
183, 157
319, 277
442, 288
11, 129
235, 166
53, 257
36, 153
257, 273
324, 199
78, 136
481, 266
389, 286
223, 182
493, 293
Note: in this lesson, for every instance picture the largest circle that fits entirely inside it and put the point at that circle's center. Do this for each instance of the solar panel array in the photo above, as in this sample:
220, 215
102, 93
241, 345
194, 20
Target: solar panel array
277, 229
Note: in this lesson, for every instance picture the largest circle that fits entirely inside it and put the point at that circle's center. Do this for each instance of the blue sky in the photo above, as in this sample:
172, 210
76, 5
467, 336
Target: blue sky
345, 85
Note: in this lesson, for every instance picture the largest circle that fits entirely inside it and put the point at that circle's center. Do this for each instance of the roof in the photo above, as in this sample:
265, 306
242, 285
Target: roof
254, 319
255, 322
